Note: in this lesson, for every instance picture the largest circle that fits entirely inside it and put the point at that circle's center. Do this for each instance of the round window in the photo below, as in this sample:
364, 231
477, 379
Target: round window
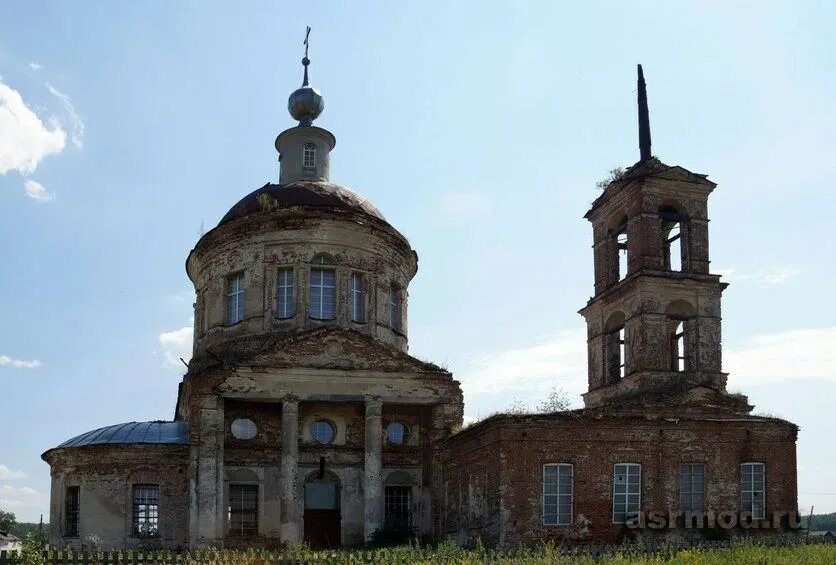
322, 431
244, 428
397, 433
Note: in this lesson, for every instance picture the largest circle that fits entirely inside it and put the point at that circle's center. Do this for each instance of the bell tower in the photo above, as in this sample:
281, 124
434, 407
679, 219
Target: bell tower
653, 326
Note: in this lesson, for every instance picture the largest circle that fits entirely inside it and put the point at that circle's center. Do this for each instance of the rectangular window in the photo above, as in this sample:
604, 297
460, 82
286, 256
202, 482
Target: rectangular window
752, 489
234, 298
71, 507
146, 510
398, 506
626, 499
309, 156
285, 295
557, 494
356, 298
395, 308
691, 488
243, 510
323, 294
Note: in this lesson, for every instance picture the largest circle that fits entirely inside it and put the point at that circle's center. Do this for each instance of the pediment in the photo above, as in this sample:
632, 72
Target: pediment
334, 348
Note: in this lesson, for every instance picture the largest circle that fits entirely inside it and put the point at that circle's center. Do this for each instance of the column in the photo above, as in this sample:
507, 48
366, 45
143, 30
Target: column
291, 526
206, 472
373, 477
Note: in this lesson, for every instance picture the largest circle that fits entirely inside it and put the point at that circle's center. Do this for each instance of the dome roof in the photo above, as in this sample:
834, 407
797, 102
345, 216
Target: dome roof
133, 432
311, 194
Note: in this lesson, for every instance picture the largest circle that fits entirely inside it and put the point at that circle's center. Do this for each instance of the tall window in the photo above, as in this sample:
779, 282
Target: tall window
71, 510
146, 522
323, 289
557, 494
691, 488
398, 506
356, 298
309, 156
752, 489
626, 499
395, 307
285, 295
678, 347
622, 247
617, 354
672, 234
234, 298
243, 510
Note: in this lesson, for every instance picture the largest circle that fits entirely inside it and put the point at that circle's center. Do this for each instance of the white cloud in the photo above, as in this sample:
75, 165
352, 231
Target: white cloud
526, 373
176, 344
5, 360
76, 125
36, 191
790, 355
35, 66
24, 139
23, 497
7, 474
464, 207
763, 278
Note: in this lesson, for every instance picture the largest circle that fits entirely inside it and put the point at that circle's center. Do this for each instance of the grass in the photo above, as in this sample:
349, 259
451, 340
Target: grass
449, 553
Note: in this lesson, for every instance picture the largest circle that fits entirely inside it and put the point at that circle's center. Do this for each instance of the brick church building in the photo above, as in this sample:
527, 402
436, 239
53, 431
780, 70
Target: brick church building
302, 417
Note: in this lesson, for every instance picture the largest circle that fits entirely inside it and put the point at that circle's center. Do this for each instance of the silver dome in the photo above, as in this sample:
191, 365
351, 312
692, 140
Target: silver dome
305, 104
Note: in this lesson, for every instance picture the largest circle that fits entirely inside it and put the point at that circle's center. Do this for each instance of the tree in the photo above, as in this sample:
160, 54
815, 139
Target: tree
7, 520
556, 401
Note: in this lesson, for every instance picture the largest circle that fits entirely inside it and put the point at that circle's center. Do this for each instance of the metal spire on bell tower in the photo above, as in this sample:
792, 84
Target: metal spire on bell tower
644, 119
305, 60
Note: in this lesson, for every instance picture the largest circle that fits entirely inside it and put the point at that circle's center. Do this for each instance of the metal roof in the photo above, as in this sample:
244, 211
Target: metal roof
133, 432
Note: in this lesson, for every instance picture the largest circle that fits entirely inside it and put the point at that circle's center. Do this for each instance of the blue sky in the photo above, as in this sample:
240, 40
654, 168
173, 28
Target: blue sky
479, 129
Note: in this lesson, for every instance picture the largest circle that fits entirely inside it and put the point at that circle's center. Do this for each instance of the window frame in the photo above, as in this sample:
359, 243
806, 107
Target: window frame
151, 517
394, 306
322, 264
322, 421
246, 530
238, 295
356, 298
72, 515
621, 245
626, 492
557, 495
690, 492
405, 436
285, 301
671, 219
400, 503
752, 490
679, 359
309, 155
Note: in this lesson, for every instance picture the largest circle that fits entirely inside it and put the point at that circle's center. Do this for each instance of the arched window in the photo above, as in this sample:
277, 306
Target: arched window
621, 247
395, 307
309, 156
681, 316
616, 347
323, 289
671, 238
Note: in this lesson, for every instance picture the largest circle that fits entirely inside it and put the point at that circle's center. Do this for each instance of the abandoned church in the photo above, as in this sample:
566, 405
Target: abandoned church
302, 417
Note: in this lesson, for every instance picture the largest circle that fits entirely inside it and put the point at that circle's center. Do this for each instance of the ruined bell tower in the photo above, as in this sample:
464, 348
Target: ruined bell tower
653, 325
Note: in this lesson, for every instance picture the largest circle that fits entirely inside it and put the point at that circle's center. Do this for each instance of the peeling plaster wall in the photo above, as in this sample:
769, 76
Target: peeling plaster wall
105, 475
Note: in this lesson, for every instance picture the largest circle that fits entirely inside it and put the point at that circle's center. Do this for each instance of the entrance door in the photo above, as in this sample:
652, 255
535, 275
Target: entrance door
322, 511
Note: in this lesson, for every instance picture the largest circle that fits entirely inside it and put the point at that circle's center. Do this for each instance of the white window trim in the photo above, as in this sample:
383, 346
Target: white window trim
627, 490
762, 491
289, 309
309, 150
238, 295
356, 298
571, 495
690, 490
321, 287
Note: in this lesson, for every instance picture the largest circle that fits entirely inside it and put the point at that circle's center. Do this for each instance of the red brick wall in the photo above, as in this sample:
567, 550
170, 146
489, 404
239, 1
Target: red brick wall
513, 451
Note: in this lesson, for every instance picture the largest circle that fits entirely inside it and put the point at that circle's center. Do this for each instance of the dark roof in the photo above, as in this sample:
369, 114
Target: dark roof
313, 194
133, 432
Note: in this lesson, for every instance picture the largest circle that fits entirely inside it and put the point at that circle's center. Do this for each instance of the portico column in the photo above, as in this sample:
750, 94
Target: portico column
291, 526
373, 478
